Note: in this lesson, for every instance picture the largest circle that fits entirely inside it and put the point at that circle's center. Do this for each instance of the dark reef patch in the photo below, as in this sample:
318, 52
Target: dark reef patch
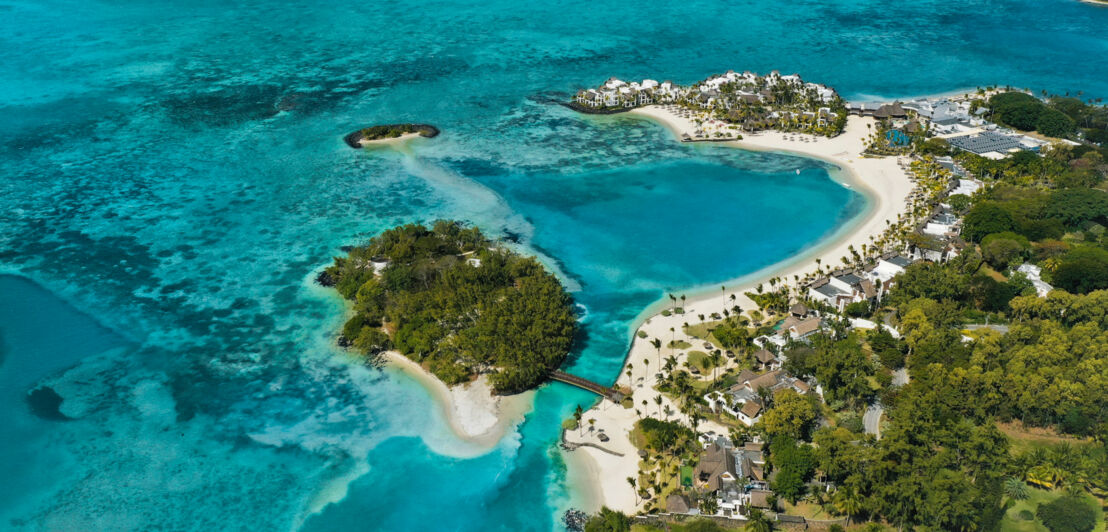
45, 403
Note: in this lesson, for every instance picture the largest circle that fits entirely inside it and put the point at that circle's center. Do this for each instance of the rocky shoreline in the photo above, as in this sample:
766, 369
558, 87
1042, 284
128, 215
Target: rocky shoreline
357, 138
595, 110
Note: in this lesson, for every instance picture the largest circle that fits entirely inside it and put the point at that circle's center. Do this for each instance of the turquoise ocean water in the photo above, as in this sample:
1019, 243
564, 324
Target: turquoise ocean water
172, 175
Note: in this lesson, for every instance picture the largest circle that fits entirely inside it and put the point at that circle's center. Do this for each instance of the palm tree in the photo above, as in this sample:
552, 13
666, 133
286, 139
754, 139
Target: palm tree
577, 416
668, 411
849, 502
631, 481
657, 345
1015, 489
658, 400
715, 358
757, 522
682, 300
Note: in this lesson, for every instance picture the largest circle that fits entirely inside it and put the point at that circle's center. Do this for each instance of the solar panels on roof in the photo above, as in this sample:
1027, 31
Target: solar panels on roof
986, 142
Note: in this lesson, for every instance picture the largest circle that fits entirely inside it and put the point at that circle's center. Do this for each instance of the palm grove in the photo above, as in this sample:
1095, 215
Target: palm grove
449, 299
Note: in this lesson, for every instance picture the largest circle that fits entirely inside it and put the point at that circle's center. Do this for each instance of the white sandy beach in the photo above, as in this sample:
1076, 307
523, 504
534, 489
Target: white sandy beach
475, 415
885, 183
389, 142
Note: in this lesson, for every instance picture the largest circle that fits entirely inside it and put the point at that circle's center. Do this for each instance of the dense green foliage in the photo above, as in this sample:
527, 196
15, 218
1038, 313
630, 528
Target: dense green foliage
608, 520
795, 464
841, 366
1061, 166
941, 462
663, 435
1016, 109
1055, 117
1068, 513
390, 131
1014, 224
434, 302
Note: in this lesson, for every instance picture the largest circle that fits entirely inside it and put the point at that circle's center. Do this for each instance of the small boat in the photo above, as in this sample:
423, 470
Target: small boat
797, 171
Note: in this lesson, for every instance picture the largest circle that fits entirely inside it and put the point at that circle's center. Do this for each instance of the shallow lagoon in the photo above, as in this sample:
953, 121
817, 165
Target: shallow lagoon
177, 176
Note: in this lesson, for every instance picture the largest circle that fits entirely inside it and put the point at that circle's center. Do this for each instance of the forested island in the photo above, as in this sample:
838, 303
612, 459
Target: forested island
358, 138
455, 302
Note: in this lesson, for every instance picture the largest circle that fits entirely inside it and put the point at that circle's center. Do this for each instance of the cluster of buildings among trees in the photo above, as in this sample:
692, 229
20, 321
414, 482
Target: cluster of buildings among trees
747, 100
985, 308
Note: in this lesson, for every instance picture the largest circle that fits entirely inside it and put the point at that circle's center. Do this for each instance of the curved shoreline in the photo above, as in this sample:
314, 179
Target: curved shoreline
844, 153
881, 180
473, 413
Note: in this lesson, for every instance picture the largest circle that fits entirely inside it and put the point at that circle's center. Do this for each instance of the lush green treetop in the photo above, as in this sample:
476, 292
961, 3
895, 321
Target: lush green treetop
448, 298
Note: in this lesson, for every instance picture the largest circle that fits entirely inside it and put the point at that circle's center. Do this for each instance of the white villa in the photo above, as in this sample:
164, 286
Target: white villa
842, 289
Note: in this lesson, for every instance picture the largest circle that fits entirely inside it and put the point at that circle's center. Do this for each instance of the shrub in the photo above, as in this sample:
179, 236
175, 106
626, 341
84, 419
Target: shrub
608, 521
857, 309
959, 202
1068, 513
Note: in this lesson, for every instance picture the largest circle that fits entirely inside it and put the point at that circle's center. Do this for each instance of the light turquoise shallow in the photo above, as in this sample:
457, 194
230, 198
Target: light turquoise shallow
172, 175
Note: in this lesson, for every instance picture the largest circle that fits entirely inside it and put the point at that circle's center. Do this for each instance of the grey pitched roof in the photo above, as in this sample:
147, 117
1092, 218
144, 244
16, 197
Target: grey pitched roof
850, 279
828, 290
899, 260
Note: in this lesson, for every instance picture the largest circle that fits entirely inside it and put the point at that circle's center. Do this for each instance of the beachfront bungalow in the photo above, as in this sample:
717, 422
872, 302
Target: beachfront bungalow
934, 248
942, 224
734, 498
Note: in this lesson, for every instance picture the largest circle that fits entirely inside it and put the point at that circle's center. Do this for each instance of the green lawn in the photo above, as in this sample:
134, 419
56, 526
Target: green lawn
678, 344
700, 360
1024, 439
808, 510
702, 331
1013, 523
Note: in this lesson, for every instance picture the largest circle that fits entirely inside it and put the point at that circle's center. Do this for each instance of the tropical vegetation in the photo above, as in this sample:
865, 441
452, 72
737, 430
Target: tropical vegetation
453, 301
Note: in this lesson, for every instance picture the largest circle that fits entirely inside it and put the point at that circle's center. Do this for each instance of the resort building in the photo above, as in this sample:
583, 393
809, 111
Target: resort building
743, 402
842, 289
732, 474
886, 268
733, 99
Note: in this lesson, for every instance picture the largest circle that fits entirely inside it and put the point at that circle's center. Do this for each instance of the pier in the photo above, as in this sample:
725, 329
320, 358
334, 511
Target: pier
573, 380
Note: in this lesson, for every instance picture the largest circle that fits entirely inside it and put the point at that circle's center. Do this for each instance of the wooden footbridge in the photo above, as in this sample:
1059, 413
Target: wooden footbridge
585, 384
